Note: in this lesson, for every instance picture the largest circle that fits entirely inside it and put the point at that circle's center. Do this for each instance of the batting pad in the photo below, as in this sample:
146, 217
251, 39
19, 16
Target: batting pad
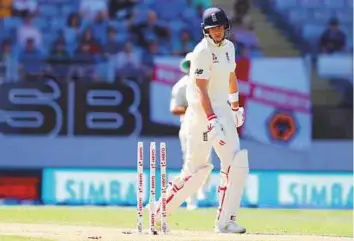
185, 186
231, 188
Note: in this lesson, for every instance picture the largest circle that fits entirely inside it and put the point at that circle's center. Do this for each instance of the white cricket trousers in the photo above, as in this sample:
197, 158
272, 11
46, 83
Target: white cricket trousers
198, 146
183, 139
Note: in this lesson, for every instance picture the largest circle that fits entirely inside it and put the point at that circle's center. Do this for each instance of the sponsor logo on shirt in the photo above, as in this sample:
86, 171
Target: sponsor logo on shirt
227, 57
199, 71
215, 59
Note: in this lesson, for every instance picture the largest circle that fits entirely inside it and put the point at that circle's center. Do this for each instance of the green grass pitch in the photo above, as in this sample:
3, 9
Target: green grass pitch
257, 221
18, 238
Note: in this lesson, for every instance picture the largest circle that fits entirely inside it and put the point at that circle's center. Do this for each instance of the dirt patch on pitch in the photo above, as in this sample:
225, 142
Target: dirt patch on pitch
85, 233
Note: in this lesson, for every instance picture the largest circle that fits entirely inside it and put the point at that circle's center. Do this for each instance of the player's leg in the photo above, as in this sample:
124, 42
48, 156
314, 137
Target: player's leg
182, 140
192, 200
232, 183
233, 176
201, 195
196, 167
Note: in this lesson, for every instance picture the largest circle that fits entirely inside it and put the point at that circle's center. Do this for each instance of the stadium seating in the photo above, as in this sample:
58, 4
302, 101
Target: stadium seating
52, 18
310, 17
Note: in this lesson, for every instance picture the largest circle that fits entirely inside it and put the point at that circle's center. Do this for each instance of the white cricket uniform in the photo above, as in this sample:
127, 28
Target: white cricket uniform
178, 98
214, 64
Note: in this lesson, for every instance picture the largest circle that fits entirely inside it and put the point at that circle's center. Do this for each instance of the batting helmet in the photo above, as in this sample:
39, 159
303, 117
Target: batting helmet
213, 17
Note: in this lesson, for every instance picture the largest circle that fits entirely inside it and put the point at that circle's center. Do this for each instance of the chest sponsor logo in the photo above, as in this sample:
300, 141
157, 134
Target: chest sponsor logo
215, 59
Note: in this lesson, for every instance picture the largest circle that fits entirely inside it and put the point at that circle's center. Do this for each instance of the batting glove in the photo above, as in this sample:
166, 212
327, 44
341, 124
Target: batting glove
238, 115
215, 130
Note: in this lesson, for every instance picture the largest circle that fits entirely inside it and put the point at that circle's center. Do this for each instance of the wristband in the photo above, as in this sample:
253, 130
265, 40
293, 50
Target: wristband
233, 97
211, 116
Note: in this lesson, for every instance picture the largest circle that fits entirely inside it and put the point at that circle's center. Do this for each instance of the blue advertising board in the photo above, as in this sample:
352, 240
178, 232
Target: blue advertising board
263, 189
88, 125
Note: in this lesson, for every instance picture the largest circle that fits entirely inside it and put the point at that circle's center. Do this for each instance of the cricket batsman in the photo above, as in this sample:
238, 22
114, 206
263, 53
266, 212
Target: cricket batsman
211, 122
178, 106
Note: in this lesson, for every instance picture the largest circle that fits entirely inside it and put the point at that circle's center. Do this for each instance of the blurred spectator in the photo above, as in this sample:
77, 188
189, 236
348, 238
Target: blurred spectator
128, 62
149, 30
241, 8
84, 63
31, 61
112, 46
82, 54
245, 35
73, 28
8, 64
143, 27
169, 11
184, 44
5, 8
99, 26
196, 30
189, 14
90, 8
88, 38
22, 8
29, 31
59, 59
60, 38
147, 59
115, 6
200, 11
333, 38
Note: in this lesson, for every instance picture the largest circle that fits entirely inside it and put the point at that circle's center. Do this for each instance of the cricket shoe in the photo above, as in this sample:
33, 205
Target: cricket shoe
230, 227
201, 195
191, 206
192, 203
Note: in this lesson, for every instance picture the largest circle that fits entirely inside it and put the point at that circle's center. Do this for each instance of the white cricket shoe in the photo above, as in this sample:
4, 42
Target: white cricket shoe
230, 227
191, 206
192, 203
201, 195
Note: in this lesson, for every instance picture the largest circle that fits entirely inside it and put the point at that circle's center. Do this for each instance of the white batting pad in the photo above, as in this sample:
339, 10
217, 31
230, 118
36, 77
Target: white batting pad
185, 186
231, 188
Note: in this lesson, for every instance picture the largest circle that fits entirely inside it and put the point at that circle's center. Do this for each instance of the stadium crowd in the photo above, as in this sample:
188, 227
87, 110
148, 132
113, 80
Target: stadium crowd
97, 40
107, 40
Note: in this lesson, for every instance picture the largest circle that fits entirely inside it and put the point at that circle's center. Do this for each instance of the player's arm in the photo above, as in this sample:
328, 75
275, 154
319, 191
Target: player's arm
233, 91
203, 61
202, 85
177, 108
238, 112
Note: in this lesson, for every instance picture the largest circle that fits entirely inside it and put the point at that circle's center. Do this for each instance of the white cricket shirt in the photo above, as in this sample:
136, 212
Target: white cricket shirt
215, 64
178, 96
